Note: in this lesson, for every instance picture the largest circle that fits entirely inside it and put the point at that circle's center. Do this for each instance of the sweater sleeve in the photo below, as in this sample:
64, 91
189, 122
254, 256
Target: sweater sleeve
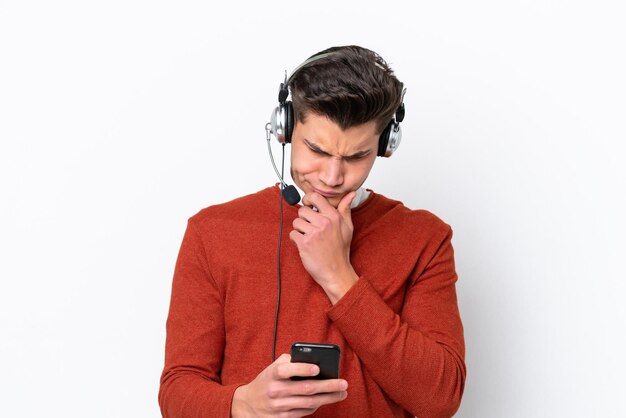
416, 356
190, 382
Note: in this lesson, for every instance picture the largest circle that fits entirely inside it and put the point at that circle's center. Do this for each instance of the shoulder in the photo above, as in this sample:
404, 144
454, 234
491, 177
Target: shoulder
242, 209
420, 221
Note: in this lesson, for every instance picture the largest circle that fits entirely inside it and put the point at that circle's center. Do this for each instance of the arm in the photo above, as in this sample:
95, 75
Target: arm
417, 356
190, 383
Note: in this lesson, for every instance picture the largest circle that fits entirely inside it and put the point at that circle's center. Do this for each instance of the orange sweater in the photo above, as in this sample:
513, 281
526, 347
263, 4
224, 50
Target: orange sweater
399, 329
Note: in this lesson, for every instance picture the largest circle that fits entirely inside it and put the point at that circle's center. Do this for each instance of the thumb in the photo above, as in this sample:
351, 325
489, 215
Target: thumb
344, 204
284, 358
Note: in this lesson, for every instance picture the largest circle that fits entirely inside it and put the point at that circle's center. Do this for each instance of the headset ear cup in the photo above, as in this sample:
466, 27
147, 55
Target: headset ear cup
289, 121
383, 140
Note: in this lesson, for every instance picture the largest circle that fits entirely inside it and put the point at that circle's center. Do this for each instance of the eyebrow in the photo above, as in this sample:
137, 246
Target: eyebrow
358, 154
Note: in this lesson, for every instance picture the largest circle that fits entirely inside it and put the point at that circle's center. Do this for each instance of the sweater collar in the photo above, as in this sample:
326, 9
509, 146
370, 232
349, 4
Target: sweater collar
363, 198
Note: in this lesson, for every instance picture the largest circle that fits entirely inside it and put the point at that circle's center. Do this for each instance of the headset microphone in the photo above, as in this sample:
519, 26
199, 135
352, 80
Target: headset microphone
291, 195
289, 192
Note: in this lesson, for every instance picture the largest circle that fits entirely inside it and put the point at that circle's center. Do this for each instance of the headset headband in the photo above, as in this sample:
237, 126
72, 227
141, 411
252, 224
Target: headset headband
307, 62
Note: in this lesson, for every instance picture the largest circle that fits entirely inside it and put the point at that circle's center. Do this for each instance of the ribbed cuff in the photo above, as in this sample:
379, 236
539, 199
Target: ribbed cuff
351, 297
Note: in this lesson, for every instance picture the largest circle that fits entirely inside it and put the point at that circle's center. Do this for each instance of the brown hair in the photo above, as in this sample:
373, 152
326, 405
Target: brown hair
351, 86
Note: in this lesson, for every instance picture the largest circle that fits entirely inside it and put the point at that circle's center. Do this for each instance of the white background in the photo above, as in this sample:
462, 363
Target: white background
120, 119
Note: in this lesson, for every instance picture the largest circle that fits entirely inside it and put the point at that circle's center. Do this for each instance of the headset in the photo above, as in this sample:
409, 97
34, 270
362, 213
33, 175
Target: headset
283, 121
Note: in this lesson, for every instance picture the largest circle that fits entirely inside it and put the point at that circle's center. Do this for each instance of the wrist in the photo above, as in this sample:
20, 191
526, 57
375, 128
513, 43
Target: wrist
239, 406
340, 287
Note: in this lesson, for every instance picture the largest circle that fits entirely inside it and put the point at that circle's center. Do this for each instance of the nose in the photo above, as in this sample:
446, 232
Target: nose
331, 173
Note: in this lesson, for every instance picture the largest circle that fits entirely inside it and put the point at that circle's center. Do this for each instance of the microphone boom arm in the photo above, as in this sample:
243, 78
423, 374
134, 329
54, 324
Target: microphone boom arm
269, 148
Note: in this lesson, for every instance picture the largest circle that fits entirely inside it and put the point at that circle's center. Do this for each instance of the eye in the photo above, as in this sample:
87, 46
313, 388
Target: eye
356, 158
317, 151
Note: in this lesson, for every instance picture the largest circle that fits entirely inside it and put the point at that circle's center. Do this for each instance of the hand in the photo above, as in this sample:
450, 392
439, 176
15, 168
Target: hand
323, 240
273, 394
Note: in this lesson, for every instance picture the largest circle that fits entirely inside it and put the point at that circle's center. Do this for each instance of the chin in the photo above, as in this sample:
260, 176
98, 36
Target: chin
334, 201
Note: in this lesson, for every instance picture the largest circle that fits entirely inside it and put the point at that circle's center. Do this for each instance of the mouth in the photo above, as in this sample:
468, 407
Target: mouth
325, 193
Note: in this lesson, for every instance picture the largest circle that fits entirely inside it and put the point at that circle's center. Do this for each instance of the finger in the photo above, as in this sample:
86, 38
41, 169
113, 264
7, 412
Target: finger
328, 398
308, 214
314, 387
344, 206
284, 358
317, 200
296, 237
312, 402
287, 370
302, 226
306, 199
295, 413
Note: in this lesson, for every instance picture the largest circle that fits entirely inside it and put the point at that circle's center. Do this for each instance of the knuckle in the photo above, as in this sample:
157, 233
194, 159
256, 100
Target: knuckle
279, 372
272, 392
308, 389
277, 405
310, 403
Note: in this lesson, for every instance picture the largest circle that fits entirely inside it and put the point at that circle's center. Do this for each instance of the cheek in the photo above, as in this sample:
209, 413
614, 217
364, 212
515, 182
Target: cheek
359, 172
304, 164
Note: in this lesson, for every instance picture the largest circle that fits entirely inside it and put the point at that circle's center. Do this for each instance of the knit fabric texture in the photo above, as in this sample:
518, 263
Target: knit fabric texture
398, 327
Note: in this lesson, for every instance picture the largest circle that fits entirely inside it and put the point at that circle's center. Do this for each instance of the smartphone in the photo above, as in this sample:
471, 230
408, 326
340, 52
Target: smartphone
326, 356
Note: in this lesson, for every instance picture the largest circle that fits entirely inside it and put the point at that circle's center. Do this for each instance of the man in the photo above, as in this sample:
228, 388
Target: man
361, 271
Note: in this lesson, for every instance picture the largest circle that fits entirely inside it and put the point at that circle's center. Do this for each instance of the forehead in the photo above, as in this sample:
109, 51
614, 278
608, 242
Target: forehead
329, 136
